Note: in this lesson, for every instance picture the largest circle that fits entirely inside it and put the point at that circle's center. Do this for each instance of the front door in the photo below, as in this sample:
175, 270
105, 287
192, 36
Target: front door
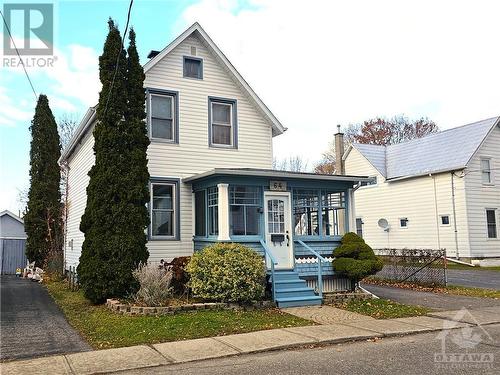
278, 228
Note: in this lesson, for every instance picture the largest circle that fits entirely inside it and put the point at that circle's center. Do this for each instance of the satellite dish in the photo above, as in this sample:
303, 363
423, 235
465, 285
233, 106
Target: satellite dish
384, 224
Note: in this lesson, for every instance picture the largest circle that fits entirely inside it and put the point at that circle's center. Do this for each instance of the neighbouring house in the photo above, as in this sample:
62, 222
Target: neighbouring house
439, 191
12, 243
210, 161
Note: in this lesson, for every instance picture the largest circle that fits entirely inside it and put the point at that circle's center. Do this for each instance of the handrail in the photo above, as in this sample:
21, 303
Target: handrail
273, 263
320, 260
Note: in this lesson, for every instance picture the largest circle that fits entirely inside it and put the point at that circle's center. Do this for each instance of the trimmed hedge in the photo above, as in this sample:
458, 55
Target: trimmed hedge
355, 259
227, 272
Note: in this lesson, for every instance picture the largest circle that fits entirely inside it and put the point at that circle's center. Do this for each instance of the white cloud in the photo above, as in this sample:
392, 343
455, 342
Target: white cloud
320, 63
10, 112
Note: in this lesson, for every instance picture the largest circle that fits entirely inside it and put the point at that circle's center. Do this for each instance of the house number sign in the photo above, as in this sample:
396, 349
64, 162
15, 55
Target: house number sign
277, 185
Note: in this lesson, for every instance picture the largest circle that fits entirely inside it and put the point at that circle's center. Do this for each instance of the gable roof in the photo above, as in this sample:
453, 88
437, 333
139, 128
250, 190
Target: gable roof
277, 127
447, 150
196, 29
15, 217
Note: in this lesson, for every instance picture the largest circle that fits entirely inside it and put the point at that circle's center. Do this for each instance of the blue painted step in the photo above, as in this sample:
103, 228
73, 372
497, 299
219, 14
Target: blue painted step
292, 291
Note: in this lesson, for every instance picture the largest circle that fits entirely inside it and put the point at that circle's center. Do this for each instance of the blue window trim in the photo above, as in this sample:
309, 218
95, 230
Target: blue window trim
175, 95
234, 103
260, 205
184, 58
177, 213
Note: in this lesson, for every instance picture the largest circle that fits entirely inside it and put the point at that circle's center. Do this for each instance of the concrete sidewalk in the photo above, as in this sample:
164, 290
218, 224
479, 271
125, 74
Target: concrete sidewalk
112, 360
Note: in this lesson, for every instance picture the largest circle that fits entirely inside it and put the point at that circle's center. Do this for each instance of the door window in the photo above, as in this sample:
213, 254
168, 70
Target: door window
276, 216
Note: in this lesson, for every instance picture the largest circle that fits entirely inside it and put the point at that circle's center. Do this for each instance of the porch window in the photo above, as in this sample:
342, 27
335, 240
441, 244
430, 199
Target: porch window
244, 207
200, 213
305, 212
318, 212
213, 211
222, 118
162, 116
491, 222
163, 203
333, 213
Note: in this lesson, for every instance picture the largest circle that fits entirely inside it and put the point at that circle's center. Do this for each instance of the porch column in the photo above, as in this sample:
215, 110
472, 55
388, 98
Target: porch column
223, 212
351, 211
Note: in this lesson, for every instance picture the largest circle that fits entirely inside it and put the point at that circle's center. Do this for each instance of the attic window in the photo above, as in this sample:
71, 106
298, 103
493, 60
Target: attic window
193, 67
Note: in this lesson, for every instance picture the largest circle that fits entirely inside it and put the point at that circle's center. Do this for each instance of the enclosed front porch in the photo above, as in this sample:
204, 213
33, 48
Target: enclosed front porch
295, 220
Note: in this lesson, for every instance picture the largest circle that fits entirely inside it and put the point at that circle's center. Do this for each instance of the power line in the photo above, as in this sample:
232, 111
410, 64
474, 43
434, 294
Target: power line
18, 54
118, 57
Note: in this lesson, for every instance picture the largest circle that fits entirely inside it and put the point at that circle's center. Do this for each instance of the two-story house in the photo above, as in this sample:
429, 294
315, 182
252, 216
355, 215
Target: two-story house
210, 161
440, 191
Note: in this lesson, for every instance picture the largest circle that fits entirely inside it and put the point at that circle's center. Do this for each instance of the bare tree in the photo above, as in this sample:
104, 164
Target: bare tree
66, 126
292, 164
378, 131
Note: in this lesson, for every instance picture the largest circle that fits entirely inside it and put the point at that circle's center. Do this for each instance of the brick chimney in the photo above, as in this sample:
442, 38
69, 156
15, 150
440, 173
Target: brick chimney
339, 152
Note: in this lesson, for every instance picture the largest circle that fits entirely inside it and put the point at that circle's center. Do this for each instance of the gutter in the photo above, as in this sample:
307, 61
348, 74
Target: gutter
87, 120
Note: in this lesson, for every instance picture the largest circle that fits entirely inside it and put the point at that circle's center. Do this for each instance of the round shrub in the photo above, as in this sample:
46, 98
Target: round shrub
355, 259
227, 272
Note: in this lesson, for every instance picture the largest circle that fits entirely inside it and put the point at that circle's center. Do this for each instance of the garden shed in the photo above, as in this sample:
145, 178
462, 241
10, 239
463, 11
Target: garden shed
12, 243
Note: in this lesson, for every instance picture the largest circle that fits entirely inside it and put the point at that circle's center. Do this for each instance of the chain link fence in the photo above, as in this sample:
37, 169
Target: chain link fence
420, 266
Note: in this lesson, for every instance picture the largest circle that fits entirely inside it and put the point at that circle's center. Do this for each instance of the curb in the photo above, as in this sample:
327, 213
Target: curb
176, 352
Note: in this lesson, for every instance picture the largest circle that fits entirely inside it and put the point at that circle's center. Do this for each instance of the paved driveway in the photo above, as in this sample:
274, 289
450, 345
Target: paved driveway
32, 325
475, 278
435, 301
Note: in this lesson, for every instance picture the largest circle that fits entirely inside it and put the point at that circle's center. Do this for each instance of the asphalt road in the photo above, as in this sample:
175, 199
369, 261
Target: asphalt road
474, 278
398, 355
435, 301
31, 324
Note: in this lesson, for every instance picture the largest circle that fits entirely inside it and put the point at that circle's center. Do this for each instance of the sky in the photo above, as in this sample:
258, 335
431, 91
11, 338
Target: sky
315, 64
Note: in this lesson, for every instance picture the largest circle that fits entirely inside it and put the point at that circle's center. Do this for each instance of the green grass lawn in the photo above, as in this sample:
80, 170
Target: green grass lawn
105, 329
383, 308
450, 289
457, 266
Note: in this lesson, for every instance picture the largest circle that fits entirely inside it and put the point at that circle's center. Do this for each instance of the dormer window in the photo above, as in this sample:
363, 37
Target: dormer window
193, 67
162, 116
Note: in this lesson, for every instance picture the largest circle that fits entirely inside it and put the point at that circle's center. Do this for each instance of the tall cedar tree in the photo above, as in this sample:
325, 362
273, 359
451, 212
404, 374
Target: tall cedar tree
116, 216
42, 221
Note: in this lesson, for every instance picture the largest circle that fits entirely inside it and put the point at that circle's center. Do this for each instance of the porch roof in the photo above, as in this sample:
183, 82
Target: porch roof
270, 173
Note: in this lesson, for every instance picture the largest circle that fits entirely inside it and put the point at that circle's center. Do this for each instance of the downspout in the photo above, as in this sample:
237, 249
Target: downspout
436, 211
454, 212
65, 167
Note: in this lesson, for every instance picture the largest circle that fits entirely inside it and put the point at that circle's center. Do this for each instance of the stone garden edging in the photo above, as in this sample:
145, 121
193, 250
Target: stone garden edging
127, 309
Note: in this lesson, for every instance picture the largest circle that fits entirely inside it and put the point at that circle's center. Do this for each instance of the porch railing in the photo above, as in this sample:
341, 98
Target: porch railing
320, 260
273, 263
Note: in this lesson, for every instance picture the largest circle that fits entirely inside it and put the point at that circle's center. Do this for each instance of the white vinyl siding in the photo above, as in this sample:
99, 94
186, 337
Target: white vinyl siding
481, 196
192, 154
78, 179
413, 199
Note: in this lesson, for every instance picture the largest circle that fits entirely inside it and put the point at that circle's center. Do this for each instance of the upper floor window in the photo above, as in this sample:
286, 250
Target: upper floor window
193, 67
163, 208
486, 171
162, 116
222, 118
445, 220
491, 222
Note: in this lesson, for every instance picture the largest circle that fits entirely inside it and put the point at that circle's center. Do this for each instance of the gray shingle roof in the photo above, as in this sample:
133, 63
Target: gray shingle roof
444, 151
